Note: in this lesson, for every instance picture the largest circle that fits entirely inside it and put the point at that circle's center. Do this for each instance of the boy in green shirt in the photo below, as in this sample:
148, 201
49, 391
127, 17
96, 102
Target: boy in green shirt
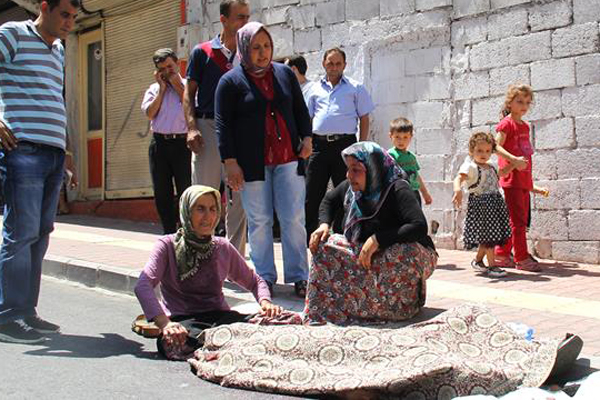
401, 133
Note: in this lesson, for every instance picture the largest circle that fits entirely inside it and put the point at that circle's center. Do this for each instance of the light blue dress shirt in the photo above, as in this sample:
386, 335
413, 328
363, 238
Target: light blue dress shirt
337, 109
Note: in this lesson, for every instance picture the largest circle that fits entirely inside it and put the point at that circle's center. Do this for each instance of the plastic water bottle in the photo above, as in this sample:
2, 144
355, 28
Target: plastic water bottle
526, 332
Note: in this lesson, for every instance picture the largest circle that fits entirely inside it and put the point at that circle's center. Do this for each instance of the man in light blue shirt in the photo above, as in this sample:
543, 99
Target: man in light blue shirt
338, 106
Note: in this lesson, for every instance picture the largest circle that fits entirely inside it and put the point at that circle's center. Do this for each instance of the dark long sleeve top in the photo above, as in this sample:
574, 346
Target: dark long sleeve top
240, 111
399, 220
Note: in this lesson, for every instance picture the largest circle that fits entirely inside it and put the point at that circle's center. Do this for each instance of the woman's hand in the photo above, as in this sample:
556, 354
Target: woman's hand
174, 333
319, 235
234, 174
306, 149
367, 251
269, 309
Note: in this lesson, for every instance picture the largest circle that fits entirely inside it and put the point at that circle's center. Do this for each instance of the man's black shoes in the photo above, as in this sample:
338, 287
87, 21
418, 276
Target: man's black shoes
40, 325
19, 332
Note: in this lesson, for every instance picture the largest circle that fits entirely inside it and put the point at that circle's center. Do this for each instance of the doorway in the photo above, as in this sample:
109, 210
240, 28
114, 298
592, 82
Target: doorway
92, 114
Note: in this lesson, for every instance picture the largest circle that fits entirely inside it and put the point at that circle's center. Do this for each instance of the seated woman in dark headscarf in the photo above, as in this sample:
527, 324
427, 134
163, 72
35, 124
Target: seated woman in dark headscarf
376, 270
191, 266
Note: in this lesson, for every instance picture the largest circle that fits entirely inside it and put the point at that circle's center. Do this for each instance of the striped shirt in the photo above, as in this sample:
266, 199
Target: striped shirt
31, 85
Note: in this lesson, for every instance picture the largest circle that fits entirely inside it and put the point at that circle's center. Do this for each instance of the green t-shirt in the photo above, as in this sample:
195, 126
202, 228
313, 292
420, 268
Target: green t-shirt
408, 162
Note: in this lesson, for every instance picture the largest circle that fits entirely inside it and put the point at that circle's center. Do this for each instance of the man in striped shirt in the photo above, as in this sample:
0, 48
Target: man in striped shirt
32, 159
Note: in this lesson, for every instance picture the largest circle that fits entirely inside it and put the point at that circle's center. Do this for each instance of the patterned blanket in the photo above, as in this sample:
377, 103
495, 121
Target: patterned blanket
463, 351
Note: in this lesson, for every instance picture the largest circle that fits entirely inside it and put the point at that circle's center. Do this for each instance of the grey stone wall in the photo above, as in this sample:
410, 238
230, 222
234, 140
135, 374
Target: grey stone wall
446, 64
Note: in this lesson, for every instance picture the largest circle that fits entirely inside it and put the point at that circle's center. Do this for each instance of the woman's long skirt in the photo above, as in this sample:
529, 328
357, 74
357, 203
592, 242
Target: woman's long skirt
342, 292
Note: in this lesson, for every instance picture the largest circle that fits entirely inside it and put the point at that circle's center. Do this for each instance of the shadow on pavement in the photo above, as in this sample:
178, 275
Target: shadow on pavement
566, 270
110, 223
449, 267
549, 272
515, 275
77, 346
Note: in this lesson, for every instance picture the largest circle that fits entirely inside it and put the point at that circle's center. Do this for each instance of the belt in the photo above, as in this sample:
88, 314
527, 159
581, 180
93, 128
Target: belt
38, 145
170, 136
333, 137
206, 115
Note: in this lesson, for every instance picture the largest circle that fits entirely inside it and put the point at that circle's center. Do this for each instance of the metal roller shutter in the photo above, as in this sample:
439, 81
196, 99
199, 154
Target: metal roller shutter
15, 13
132, 34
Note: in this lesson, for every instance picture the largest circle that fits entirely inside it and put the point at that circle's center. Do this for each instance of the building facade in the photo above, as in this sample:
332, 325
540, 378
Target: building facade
110, 67
446, 64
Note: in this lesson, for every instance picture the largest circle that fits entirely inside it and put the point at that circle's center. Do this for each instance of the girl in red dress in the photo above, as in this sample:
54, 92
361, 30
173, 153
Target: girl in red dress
512, 139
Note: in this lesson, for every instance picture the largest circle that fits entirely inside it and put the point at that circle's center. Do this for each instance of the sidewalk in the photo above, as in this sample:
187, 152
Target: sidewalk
565, 297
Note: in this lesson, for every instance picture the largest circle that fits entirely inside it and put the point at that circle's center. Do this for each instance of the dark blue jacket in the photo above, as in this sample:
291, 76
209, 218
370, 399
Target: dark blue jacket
240, 111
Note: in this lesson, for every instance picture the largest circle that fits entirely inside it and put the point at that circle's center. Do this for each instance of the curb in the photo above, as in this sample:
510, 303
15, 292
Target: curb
90, 274
121, 280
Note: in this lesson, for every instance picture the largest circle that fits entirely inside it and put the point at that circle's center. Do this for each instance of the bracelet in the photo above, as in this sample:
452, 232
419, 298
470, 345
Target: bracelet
68, 153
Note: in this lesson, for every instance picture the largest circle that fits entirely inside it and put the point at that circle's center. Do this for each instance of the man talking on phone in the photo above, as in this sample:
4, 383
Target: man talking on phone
170, 159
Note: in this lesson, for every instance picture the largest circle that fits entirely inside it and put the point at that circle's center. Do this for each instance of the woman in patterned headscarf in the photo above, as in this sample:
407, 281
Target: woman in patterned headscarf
191, 266
264, 134
376, 270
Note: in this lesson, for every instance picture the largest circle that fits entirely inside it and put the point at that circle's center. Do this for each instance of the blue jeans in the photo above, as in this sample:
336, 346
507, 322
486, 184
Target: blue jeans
30, 176
283, 190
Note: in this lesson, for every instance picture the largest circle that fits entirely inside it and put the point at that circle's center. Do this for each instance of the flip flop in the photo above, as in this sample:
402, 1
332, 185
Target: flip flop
144, 328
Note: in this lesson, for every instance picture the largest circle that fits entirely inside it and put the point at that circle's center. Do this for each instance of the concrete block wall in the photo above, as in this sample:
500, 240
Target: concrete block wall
446, 64
554, 46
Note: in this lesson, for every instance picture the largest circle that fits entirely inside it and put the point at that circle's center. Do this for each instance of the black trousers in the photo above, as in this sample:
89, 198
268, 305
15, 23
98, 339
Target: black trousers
170, 160
324, 163
196, 323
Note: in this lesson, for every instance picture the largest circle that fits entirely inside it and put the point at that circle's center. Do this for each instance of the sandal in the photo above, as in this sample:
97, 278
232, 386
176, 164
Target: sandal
529, 264
300, 288
144, 328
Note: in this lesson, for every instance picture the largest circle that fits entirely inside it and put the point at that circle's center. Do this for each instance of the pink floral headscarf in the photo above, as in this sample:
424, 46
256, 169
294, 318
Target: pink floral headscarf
244, 39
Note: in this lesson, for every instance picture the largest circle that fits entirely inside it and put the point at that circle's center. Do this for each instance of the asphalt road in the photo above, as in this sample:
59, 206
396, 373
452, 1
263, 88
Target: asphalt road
97, 356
